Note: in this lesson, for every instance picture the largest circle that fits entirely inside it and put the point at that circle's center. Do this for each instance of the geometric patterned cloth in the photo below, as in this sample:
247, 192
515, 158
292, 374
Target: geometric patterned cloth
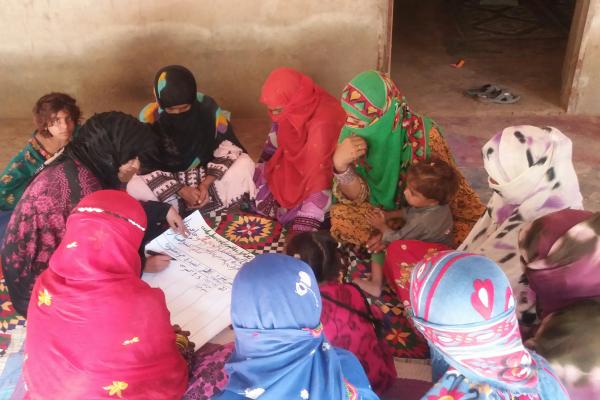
255, 233
261, 235
401, 336
9, 319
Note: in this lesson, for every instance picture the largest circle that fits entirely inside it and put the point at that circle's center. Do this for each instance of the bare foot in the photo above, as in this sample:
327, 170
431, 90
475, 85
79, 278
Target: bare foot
373, 288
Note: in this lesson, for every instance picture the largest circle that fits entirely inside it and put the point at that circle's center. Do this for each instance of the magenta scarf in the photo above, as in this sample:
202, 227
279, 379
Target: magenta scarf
562, 254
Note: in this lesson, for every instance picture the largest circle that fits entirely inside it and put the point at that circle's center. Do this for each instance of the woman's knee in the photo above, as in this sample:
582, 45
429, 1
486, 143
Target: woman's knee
242, 166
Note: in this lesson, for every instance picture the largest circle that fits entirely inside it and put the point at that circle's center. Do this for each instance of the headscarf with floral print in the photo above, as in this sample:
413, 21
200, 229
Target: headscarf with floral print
280, 350
94, 328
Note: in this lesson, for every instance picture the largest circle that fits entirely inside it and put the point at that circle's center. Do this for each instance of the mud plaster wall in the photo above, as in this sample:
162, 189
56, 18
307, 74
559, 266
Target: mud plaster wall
106, 52
581, 71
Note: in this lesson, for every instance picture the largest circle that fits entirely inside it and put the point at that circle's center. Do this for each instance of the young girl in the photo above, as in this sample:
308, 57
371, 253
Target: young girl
348, 319
55, 116
430, 186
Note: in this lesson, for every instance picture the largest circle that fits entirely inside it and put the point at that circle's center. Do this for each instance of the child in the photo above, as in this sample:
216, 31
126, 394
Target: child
430, 185
56, 116
348, 319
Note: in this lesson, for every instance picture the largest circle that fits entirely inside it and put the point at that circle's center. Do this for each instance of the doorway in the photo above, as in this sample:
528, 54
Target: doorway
441, 48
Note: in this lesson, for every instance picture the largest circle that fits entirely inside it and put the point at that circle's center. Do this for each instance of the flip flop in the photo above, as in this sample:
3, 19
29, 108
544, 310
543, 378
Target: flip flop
483, 90
500, 96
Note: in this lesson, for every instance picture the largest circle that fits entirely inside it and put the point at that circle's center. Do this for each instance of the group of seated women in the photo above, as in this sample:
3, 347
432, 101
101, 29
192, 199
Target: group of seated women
80, 202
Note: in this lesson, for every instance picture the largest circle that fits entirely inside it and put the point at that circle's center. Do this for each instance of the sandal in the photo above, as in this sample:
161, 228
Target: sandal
500, 96
483, 90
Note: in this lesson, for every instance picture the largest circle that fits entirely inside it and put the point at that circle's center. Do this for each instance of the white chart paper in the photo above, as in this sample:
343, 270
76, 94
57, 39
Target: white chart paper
197, 284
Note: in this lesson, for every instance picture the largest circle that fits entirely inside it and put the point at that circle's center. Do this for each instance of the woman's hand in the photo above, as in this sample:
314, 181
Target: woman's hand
351, 149
157, 263
203, 190
186, 348
375, 244
178, 329
176, 222
128, 170
190, 195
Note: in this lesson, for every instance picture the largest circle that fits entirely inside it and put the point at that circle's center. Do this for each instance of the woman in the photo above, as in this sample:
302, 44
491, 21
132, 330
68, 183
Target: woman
561, 252
294, 172
55, 116
280, 351
531, 174
463, 304
570, 340
381, 138
349, 321
85, 340
104, 155
201, 163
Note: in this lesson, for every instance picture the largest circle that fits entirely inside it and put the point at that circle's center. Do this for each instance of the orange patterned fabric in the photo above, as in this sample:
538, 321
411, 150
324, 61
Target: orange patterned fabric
348, 222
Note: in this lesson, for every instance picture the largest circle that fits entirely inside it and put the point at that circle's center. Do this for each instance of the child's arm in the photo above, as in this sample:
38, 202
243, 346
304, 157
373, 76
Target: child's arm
412, 230
393, 214
376, 218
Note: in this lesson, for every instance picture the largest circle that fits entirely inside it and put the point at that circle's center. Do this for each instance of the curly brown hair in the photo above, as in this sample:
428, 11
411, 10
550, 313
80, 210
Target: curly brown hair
434, 179
48, 105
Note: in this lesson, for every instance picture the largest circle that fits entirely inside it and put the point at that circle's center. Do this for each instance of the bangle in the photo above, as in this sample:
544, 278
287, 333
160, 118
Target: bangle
181, 341
345, 177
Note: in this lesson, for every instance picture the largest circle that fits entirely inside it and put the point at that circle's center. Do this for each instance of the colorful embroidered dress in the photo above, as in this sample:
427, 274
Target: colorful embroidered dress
463, 304
85, 339
194, 144
89, 163
38, 225
19, 172
396, 137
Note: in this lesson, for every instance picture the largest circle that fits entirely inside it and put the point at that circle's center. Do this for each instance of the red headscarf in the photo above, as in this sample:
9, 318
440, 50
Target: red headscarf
95, 330
307, 133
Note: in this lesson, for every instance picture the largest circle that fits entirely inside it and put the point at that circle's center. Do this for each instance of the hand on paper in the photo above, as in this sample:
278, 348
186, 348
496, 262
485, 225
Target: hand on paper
157, 263
176, 222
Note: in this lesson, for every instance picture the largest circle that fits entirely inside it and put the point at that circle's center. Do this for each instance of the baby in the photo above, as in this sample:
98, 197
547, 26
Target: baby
430, 186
